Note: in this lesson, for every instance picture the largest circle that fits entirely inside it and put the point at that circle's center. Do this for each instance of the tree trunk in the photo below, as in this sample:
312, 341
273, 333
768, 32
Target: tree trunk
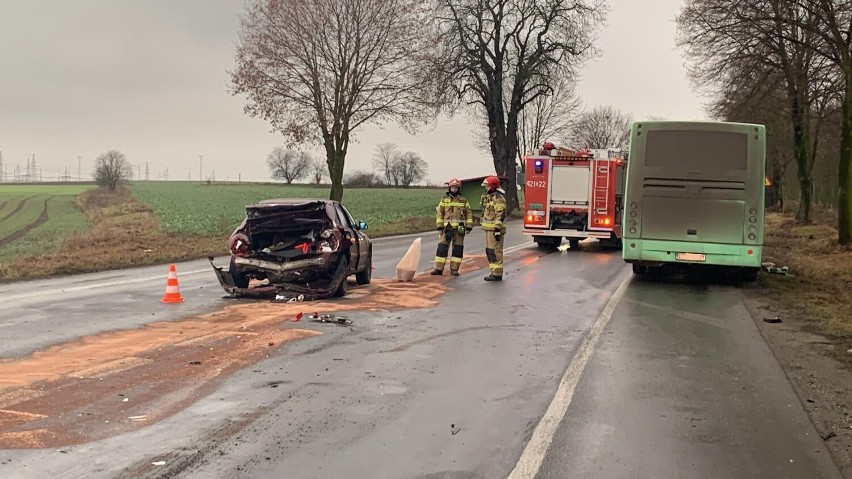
509, 170
335, 160
799, 116
844, 204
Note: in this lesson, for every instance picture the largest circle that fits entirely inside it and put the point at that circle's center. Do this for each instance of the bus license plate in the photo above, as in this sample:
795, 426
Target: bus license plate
690, 257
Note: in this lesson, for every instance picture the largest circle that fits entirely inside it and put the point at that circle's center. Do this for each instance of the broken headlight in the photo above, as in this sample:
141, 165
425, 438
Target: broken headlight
329, 242
239, 245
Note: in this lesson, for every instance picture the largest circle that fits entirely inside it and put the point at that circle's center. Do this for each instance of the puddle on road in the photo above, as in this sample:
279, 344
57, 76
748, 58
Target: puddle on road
111, 383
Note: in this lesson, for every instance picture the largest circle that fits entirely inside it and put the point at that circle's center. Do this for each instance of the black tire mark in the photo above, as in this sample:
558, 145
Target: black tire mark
18, 208
20, 232
3, 205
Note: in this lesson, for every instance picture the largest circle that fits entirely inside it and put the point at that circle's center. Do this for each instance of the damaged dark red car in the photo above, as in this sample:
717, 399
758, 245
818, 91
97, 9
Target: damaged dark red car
296, 247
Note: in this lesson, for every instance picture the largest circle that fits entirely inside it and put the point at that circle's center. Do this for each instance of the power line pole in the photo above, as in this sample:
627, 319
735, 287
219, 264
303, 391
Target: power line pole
79, 168
147, 172
2, 171
200, 170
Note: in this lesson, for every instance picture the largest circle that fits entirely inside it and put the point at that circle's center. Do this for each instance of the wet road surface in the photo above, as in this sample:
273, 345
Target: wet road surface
36, 314
679, 383
683, 385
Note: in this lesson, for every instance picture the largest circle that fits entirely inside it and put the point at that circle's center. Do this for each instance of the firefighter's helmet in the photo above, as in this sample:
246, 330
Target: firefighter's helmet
453, 182
491, 182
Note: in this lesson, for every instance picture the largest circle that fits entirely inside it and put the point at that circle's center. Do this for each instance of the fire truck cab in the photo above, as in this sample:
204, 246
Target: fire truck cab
575, 194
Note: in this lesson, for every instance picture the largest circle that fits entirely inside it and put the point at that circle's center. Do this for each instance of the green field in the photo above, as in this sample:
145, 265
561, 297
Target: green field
35, 219
217, 209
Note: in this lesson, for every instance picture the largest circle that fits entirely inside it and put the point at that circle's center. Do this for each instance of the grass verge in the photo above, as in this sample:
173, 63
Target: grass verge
820, 288
126, 233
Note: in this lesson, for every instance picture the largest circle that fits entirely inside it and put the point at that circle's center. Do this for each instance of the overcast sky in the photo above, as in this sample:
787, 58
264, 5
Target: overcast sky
149, 78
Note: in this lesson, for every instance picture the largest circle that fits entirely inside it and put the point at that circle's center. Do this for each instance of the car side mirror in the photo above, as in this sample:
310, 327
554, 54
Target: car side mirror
362, 225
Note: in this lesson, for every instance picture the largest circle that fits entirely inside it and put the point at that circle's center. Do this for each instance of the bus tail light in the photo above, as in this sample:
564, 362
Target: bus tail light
633, 212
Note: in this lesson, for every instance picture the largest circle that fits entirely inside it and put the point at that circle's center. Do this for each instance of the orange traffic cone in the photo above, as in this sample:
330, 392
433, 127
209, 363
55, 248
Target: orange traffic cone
172, 290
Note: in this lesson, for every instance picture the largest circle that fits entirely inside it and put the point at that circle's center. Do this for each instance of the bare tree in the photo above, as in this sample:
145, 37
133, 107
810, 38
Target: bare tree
383, 161
317, 70
288, 165
318, 170
831, 23
504, 54
601, 127
732, 43
550, 116
362, 179
409, 168
111, 168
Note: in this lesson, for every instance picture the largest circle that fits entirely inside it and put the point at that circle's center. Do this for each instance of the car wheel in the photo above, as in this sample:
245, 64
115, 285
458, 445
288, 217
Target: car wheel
240, 279
364, 276
341, 290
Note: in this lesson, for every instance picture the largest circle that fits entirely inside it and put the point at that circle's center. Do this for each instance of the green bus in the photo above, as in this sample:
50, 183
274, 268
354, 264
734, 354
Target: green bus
695, 197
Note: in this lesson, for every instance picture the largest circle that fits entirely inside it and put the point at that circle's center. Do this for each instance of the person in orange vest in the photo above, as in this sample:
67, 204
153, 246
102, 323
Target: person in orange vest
493, 204
453, 219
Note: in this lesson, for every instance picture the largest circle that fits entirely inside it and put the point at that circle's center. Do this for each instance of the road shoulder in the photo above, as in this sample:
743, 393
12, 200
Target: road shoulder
821, 378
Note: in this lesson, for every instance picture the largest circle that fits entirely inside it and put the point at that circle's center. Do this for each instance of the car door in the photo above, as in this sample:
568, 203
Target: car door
363, 240
351, 235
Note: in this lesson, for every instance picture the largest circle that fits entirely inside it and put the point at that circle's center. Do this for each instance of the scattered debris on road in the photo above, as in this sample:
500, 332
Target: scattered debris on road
454, 430
159, 463
772, 320
771, 268
330, 318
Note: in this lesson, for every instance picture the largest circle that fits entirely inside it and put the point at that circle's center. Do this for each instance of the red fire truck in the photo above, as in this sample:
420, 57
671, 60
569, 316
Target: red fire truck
575, 194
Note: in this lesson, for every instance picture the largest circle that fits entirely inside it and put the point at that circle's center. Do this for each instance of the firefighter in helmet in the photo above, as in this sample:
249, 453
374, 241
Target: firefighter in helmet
493, 204
453, 219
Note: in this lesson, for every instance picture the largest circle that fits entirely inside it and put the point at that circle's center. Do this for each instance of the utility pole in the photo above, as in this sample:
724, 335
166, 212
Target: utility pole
2, 171
200, 169
147, 172
240, 178
79, 169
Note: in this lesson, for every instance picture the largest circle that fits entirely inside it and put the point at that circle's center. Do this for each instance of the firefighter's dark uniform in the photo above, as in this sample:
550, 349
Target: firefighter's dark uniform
493, 214
453, 219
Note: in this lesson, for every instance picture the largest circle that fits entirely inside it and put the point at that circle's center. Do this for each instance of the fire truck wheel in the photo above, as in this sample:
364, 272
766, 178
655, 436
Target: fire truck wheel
548, 242
614, 243
574, 243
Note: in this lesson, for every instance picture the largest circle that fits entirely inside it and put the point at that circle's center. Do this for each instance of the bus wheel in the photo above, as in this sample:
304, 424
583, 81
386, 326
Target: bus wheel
610, 243
638, 269
748, 275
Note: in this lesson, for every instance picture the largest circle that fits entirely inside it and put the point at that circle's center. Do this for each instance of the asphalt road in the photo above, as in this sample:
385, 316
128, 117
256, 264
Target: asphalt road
544, 373
40, 313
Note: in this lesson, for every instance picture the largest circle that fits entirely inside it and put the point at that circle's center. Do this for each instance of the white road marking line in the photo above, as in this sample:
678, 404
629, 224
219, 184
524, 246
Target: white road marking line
530, 461
71, 289
467, 259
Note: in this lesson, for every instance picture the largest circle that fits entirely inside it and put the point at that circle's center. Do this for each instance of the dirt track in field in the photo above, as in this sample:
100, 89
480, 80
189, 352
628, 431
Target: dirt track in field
114, 382
18, 208
20, 232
